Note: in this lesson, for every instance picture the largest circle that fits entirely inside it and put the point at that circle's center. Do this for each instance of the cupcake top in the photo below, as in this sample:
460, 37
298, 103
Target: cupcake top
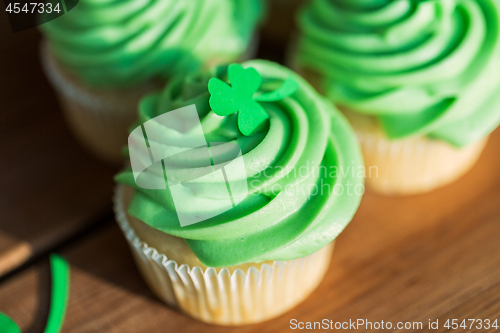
302, 177
115, 43
421, 67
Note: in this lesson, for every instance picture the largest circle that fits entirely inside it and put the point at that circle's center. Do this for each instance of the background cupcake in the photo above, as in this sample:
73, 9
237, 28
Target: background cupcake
302, 179
418, 80
103, 56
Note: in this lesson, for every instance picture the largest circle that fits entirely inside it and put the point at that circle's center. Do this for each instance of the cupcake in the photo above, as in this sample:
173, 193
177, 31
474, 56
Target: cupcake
417, 79
245, 178
103, 56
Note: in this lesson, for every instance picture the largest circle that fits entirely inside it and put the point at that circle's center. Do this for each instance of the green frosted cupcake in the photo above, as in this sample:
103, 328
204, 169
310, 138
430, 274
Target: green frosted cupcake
418, 80
299, 184
102, 56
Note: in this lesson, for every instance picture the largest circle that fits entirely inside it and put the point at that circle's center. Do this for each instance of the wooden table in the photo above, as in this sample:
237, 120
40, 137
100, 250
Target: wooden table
414, 259
51, 189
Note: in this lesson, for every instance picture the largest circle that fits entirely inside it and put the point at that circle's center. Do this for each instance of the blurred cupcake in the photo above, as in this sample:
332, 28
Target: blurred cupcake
240, 228
418, 80
102, 56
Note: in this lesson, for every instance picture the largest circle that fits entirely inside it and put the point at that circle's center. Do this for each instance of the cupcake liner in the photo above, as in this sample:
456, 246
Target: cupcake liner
98, 118
398, 167
414, 165
221, 297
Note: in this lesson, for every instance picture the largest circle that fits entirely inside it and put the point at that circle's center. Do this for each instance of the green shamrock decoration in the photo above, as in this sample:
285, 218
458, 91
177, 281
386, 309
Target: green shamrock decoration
241, 96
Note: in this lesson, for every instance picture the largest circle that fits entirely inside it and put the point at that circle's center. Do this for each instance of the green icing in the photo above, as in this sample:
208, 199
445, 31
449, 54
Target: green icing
116, 43
421, 67
302, 171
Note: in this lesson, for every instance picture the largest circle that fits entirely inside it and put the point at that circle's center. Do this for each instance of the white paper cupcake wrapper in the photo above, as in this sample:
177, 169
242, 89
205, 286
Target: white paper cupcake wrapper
414, 165
224, 298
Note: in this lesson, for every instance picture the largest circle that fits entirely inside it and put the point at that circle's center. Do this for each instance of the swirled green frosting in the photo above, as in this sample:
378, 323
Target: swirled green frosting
421, 67
302, 170
117, 43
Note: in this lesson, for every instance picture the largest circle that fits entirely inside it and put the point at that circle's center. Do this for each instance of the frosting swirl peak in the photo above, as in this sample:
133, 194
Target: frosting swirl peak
421, 67
116, 43
300, 170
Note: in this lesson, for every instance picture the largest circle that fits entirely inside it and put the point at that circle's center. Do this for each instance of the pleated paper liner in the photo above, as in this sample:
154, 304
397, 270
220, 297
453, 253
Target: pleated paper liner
412, 165
415, 165
225, 296
406, 166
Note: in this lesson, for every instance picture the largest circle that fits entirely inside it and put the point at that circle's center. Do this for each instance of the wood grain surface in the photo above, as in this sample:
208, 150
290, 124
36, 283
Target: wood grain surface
413, 259
50, 188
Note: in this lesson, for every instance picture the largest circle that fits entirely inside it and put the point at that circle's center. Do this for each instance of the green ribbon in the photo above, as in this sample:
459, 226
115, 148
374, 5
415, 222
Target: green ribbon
60, 294
59, 299
7, 325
